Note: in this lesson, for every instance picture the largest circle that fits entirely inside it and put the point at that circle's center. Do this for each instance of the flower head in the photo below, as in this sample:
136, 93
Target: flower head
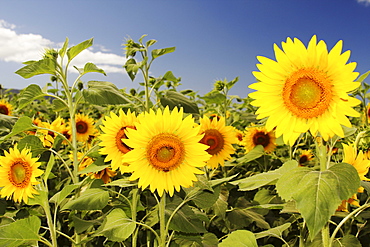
219, 139
358, 160
305, 157
259, 136
114, 128
18, 172
305, 89
166, 151
5, 107
84, 127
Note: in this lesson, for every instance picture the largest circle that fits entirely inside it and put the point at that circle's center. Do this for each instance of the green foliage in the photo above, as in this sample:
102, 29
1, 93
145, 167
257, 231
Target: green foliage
239, 238
103, 93
175, 99
20, 232
90, 199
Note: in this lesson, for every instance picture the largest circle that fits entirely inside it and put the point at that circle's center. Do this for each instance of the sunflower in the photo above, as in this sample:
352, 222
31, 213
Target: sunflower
240, 137
259, 136
18, 172
219, 139
305, 89
166, 151
114, 128
84, 127
305, 157
104, 174
48, 134
5, 107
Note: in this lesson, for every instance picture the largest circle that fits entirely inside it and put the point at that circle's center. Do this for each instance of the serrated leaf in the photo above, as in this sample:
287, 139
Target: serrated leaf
58, 105
173, 99
43, 66
347, 241
265, 178
90, 67
20, 232
239, 238
61, 195
160, 52
75, 50
29, 94
116, 226
103, 93
91, 199
32, 142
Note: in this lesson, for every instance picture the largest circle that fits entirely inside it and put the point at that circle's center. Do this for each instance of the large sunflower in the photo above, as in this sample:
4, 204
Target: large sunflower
305, 89
18, 172
166, 151
114, 128
219, 139
259, 136
5, 107
85, 127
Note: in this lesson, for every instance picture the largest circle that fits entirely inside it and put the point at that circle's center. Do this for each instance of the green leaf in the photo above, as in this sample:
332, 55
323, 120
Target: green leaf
362, 77
82, 225
205, 199
116, 226
32, 142
103, 93
29, 94
75, 50
273, 232
160, 52
347, 241
92, 168
173, 99
20, 232
150, 42
184, 220
7, 121
318, 193
24, 123
244, 217
123, 182
255, 153
90, 67
221, 204
58, 105
91, 199
49, 166
43, 66
214, 97
63, 50
61, 195
239, 238
265, 178
131, 68
170, 77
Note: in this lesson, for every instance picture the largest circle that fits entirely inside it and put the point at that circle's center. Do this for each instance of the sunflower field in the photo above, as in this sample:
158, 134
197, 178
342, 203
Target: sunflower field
84, 163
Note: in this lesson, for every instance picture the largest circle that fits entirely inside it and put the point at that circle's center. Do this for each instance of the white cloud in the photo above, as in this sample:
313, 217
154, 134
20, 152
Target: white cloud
19, 48
365, 2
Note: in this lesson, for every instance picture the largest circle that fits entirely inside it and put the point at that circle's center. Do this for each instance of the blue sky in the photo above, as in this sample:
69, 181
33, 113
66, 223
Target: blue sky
214, 39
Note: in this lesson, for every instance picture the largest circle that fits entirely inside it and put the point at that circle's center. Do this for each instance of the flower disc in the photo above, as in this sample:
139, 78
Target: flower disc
305, 89
166, 151
84, 127
259, 136
18, 172
5, 107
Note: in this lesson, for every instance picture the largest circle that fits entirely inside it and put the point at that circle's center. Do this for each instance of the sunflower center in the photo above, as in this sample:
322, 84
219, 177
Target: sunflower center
260, 138
122, 135
307, 93
81, 127
20, 173
4, 110
165, 152
214, 139
303, 159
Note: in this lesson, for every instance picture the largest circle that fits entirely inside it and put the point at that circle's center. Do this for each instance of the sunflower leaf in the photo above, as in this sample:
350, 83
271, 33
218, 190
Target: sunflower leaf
91, 199
173, 99
116, 226
160, 52
75, 50
43, 66
318, 193
32, 142
239, 238
21, 232
29, 94
273, 232
103, 93
23, 123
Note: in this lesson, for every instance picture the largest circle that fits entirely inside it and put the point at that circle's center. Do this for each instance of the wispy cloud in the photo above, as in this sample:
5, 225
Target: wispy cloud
15, 47
365, 2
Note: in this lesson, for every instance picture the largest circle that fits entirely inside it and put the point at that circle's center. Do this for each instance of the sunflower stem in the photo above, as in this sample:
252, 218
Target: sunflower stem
162, 221
325, 235
49, 220
135, 198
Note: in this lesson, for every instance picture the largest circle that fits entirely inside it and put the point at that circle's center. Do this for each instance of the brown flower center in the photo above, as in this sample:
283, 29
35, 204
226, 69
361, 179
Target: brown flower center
82, 127
122, 135
261, 138
4, 110
20, 174
214, 139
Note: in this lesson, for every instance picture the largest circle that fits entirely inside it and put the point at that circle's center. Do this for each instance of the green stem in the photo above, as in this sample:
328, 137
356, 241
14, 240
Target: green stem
135, 198
49, 220
325, 235
162, 221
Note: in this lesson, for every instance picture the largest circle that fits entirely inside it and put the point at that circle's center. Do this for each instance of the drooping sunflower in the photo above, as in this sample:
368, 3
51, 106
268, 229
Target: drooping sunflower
48, 134
114, 128
166, 151
259, 136
305, 157
18, 172
305, 89
85, 127
5, 107
219, 139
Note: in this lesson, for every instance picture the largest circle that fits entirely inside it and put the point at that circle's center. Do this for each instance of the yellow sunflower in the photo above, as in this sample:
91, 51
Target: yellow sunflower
85, 127
305, 157
305, 89
239, 136
259, 136
18, 172
114, 128
5, 107
219, 139
166, 151
47, 136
